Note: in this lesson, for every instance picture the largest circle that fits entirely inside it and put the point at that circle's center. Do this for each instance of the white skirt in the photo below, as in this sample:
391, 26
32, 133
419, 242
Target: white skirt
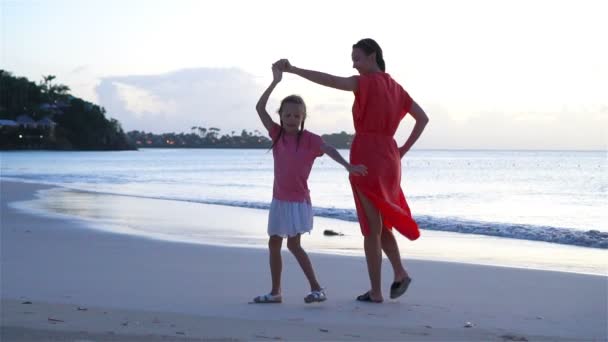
287, 218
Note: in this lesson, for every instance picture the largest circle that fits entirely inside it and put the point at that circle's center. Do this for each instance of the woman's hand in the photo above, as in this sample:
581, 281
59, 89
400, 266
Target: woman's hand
277, 73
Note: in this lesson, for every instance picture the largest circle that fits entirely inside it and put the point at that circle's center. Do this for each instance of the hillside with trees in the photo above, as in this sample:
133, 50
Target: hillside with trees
47, 116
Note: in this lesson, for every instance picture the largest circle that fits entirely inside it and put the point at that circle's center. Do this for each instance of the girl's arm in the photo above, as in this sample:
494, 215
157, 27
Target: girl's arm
260, 107
358, 170
421, 120
342, 83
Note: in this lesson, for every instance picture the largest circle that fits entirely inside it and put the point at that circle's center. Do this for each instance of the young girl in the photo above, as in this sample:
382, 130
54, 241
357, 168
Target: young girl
294, 151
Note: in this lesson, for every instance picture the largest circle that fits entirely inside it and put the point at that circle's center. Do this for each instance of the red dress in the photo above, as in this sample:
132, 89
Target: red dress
380, 104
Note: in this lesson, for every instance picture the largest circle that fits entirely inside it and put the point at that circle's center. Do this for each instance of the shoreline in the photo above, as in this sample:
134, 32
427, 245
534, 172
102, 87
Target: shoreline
595, 237
149, 217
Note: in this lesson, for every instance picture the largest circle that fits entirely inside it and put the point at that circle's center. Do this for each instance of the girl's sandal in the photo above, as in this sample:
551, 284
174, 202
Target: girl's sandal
268, 299
316, 296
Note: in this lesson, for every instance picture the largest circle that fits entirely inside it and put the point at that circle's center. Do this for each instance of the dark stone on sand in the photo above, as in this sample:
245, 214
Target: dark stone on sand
329, 232
513, 338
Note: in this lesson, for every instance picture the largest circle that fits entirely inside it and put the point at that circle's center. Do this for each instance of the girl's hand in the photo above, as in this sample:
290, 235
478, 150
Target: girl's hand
277, 73
357, 170
402, 151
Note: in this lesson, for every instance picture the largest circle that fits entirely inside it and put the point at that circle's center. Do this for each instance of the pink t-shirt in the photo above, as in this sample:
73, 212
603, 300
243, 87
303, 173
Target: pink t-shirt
292, 167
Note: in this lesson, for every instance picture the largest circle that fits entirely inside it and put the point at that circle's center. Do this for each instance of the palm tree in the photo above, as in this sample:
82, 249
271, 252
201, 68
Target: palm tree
213, 133
53, 92
48, 79
46, 83
58, 91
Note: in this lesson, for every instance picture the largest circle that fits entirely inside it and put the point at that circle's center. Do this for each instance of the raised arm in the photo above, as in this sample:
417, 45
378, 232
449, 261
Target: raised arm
260, 107
421, 120
359, 170
342, 83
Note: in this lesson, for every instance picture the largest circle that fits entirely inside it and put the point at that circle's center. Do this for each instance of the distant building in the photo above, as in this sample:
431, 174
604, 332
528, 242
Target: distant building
53, 108
8, 131
46, 122
26, 121
48, 125
8, 123
48, 106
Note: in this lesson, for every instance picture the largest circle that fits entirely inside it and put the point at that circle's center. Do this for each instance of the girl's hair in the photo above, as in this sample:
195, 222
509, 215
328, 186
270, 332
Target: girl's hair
296, 99
370, 46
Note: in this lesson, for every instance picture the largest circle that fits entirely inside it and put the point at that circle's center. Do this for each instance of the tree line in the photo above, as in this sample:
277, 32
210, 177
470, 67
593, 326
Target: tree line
212, 137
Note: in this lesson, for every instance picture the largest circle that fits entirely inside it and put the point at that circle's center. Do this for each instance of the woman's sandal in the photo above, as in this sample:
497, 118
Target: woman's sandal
268, 299
316, 296
399, 288
367, 298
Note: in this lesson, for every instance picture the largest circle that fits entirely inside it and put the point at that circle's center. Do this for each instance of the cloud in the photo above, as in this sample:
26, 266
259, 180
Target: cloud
176, 101
226, 98
570, 128
79, 69
141, 103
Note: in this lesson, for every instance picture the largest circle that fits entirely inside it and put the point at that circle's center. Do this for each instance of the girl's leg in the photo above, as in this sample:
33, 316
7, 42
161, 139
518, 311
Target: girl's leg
372, 246
276, 264
294, 246
390, 248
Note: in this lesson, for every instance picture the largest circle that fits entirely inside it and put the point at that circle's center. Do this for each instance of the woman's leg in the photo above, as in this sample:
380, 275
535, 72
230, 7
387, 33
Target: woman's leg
391, 249
276, 263
294, 246
372, 246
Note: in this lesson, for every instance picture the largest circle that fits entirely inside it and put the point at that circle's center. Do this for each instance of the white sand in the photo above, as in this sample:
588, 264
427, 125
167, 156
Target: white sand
141, 289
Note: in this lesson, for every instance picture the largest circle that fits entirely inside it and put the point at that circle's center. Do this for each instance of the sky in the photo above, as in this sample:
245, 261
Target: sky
489, 74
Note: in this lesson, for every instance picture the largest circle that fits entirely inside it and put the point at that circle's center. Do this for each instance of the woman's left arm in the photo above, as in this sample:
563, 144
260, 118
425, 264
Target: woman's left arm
337, 82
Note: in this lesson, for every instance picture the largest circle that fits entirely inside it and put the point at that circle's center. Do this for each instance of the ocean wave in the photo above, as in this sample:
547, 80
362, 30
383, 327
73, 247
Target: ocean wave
67, 180
566, 236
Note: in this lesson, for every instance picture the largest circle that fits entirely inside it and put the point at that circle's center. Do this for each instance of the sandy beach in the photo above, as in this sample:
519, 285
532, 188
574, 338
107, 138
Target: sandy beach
63, 281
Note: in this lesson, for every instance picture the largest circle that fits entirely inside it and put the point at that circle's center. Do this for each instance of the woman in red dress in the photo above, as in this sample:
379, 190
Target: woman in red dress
380, 105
